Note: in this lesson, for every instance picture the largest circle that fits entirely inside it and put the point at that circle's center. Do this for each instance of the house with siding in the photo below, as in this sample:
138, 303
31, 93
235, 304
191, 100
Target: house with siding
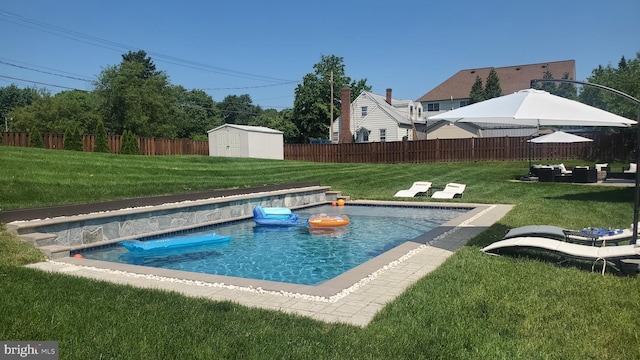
454, 93
377, 118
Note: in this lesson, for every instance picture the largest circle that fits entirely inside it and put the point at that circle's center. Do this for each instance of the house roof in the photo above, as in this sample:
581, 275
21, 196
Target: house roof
512, 79
389, 109
261, 129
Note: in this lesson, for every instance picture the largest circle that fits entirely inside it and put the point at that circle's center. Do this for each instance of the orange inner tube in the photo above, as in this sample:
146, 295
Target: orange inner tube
324, 220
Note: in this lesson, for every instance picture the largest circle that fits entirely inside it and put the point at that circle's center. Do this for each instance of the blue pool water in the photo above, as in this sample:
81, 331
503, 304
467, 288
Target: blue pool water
293, 254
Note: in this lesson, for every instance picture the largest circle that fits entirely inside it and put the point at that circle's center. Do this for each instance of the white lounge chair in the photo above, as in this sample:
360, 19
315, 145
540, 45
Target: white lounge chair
450, 191
593, 236
418, 187
612, 255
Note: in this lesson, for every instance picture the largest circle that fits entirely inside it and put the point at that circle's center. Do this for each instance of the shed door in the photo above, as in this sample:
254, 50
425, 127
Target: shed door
228, 143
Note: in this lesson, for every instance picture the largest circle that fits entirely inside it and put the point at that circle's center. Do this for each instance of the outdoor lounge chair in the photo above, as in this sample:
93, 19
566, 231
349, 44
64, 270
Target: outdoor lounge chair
612, 255
418, 188
594, 236
450, 191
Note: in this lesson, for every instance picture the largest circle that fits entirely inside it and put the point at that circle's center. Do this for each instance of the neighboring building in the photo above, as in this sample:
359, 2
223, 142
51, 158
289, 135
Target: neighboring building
232, 140
377, 118
454, 93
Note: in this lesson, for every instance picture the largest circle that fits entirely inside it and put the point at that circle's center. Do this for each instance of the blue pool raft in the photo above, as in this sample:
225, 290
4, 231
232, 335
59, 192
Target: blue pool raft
172, 243
274, 216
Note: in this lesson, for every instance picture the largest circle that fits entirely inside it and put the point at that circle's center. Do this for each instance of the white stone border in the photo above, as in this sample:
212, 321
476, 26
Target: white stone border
259, 290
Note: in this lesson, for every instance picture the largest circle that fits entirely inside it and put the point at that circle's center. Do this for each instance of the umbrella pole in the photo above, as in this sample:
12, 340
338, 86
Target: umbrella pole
530, 147
636, 198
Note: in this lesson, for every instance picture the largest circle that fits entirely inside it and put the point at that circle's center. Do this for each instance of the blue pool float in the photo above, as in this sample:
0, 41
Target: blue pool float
172, 243
274, 216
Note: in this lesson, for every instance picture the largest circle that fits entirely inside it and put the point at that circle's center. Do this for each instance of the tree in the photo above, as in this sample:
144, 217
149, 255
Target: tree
549, 87
279, 121
140, 57
195, 113
238, 109
567, 90
35, 138
58, 113
129, 143
133, 96
477, 92
12, 97
73, 139
102, 141
492, 87
625, 78
312, 103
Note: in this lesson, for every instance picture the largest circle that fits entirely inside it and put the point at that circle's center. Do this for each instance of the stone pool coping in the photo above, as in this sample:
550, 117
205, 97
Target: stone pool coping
353, 297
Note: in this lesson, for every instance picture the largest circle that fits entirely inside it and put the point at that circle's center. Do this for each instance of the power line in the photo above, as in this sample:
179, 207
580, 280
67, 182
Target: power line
39, 83
252, 87
111, 45
45, 72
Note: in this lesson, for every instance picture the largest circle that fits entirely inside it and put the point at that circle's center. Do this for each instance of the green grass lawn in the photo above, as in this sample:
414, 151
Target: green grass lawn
474, 306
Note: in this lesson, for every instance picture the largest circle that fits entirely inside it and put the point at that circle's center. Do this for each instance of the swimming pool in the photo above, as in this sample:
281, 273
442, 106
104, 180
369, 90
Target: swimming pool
294, 254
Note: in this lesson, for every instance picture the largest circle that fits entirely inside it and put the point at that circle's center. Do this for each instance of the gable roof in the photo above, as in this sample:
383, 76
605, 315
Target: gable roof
512, 79
389, 109
261, 129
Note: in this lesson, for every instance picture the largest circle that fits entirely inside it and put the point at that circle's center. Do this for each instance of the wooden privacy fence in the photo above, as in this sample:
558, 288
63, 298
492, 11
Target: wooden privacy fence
148, 146
604, 147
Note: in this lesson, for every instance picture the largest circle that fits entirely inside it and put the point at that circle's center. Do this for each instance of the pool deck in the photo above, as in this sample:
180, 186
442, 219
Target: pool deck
353, 298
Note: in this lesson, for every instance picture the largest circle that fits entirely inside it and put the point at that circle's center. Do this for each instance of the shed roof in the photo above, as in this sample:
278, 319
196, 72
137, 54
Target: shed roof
261, 129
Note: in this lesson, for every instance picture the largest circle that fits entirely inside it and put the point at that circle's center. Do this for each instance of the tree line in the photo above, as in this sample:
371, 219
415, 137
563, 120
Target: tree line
136, 98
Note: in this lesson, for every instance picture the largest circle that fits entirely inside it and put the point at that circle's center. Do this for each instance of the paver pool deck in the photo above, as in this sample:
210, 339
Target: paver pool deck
353, 298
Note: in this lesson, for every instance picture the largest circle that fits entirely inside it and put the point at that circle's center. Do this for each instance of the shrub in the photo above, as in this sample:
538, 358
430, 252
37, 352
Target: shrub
129, 143
73, 139
102, 142
35, 138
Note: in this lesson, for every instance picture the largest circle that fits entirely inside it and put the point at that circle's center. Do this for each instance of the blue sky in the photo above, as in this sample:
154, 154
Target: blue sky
264, 48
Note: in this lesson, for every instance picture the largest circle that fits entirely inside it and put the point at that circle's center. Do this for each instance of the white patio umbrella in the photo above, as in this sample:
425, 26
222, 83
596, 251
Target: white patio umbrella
535, 108
557, 137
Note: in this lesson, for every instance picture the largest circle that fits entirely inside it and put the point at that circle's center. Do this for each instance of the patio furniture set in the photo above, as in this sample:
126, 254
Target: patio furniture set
580, 174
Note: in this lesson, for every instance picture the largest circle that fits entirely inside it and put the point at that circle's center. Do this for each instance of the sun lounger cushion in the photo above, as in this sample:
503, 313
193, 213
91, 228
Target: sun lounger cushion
548, 231
632, 168
587, 235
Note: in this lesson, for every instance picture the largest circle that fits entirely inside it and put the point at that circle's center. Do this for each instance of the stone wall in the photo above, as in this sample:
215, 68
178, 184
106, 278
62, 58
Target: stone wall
86, 230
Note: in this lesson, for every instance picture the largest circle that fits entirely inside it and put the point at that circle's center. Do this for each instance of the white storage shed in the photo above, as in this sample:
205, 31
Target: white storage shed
246, 141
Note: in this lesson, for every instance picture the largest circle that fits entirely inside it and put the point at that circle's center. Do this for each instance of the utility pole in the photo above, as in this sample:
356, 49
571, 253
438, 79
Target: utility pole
331, 126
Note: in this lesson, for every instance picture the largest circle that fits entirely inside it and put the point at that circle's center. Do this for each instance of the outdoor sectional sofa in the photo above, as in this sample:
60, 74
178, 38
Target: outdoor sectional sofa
558, 173
627, 172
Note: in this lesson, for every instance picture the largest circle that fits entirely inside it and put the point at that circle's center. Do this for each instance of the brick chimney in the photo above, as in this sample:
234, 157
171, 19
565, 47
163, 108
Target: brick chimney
345, 116
389, 96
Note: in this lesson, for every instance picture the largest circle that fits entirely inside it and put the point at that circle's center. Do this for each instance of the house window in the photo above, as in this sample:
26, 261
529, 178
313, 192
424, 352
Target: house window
364, 111
464, 103
419, 113
383, 135
362, 135
411, 111
433, 107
